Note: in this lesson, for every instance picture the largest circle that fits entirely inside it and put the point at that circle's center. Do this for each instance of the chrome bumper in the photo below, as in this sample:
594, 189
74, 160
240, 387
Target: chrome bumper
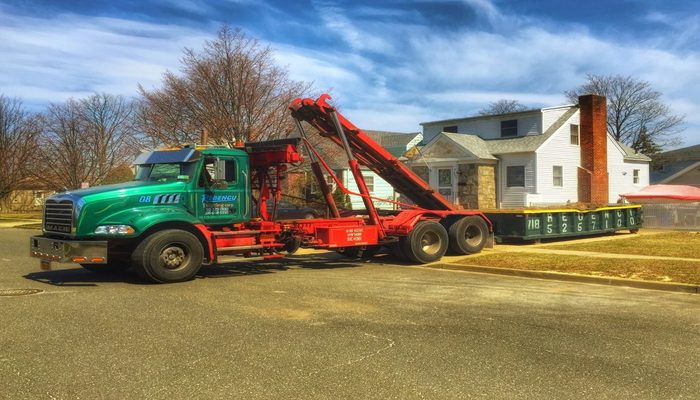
58, 250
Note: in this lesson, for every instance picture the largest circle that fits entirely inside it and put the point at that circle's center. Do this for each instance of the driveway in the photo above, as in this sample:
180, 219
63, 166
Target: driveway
322, 327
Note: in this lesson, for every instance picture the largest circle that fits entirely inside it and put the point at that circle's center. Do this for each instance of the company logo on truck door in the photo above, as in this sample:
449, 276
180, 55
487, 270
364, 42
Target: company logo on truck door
161, 199
218, 198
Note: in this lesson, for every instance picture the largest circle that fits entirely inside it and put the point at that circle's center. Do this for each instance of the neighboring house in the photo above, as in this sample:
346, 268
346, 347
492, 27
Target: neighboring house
29, 197
395, 143
552, 155
677, 167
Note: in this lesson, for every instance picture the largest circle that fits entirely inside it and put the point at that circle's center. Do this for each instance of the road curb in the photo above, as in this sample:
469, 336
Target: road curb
599, 280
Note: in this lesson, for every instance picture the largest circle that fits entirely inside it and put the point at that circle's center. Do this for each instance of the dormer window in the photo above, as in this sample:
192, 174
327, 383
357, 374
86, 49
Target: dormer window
509, 128
450, 129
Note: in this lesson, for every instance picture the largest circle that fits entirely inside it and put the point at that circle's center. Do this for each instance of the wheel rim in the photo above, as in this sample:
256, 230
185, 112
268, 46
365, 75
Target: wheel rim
473, 235
174, 256
430, 243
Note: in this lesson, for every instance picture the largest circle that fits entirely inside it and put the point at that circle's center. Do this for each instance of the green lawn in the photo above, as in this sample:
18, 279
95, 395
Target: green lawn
20, 216
666, 244
652, 270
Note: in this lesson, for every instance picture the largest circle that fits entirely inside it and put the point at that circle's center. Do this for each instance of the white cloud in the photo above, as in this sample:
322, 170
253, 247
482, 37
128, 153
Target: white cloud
384, 75
335, 20
69, 55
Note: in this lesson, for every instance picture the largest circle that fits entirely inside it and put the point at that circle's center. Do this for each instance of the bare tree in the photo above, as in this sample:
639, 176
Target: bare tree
231, 88
19, 131
636, 114
86, 140
502, 106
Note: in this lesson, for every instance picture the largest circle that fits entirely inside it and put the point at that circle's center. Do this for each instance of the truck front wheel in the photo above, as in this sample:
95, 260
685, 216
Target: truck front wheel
167, 256
426, 243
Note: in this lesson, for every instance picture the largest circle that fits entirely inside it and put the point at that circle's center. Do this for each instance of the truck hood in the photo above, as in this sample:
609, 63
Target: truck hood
100, 204
125, 189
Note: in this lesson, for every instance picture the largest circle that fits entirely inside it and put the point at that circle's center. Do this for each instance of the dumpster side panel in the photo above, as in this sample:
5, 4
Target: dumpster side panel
534, 224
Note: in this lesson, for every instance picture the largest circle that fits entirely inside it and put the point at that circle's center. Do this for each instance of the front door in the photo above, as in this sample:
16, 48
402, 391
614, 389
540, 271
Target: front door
445, 183
220, 193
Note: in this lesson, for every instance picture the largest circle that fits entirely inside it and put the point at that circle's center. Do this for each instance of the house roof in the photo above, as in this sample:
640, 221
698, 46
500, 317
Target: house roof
686, 153
395, 143
473, 144
673, 162
530, 143
631, 154
671, 169
513, 114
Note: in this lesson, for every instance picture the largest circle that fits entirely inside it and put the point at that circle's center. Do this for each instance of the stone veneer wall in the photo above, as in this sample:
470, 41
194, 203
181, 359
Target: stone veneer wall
476, 186
487, 186
468, 185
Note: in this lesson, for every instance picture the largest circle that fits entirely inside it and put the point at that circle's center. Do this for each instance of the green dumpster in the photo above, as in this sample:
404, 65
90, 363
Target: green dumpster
535, 224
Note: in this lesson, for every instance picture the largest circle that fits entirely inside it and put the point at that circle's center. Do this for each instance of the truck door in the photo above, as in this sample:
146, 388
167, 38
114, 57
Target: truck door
220, 193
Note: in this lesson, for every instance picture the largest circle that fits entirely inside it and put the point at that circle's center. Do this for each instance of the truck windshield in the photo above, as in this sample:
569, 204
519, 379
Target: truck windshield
166, 172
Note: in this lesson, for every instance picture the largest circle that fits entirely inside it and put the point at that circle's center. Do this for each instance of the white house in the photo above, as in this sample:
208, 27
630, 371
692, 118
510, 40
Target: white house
552, 155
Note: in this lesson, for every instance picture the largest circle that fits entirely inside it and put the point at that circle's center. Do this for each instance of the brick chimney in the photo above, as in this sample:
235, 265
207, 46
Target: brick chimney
593, 173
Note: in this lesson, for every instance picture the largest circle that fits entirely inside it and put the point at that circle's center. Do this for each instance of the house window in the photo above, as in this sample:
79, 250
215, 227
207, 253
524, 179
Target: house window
574, 134
635, 176
515, 176
445, 182
450, 129
509, 128
558, 176
369, 181
330, 182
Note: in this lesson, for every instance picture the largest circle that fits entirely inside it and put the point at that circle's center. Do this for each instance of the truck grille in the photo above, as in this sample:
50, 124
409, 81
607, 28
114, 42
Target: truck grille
58, 216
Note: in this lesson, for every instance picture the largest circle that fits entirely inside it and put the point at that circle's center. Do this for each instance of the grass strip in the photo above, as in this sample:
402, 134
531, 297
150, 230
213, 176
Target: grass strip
666, 244
650, 270
19, 216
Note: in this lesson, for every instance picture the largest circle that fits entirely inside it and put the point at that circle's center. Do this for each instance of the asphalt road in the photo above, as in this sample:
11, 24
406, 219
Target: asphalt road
329, 329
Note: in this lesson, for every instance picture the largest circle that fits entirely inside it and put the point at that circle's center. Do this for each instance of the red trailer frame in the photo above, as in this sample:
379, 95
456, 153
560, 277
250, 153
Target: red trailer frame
442, 225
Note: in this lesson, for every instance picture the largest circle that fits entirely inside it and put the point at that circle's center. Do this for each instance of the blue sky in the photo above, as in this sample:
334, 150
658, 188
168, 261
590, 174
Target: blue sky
388, 64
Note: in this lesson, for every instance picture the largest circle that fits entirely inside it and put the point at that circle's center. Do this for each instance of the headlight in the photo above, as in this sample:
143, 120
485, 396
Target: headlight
114, 230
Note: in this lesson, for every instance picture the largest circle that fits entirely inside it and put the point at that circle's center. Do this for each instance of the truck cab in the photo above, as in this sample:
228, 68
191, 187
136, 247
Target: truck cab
183, 187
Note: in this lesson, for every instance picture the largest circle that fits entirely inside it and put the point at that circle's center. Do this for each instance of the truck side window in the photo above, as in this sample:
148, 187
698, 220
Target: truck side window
217, 172
230, 171
206, 179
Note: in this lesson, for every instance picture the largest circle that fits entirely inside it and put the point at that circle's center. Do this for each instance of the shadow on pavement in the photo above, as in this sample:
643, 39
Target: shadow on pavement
81, 277
75, 277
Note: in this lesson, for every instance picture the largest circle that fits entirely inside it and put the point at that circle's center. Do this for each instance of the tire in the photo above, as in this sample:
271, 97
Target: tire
168, 256
426, 243
292, 245
468, 235
113, 267
397, 252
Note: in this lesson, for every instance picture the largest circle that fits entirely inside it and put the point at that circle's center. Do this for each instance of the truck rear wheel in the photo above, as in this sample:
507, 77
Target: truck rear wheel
468, 235
426, 243
167, 256
397, 252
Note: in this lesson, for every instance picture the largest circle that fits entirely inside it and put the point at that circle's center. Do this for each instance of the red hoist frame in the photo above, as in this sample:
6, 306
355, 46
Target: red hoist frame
264, 238
362, 150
